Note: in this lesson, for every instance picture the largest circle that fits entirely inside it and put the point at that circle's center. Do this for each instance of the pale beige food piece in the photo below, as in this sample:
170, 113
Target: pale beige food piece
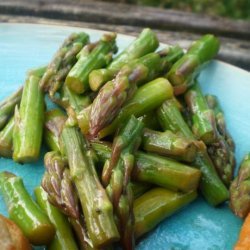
11, 236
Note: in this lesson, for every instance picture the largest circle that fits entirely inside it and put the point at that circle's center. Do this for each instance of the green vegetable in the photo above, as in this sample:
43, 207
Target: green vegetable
239, 189
24, 211
61, 191
157, 204
64, 238
114, 94
211, 186
203, 119
97, 209
29, 118
221, 151
214, 104
58, 183
145, 43
116, 177
185, 69
165, 172
62, 62
90, 57
147, 98
156, 169
169, 144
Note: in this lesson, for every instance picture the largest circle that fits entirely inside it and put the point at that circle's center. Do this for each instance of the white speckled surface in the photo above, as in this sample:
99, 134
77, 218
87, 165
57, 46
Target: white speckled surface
198, 226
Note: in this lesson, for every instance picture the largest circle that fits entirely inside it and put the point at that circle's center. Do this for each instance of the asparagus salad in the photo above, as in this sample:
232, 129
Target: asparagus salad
131, 140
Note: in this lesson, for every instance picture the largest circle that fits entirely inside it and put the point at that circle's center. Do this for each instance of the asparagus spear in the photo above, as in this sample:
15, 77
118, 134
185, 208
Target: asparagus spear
184, 70
61, 191
99, 56
27, 134
239, 189
155, 169
147, 98
208, 120
115, 93
7, 106
62, 62
54, 122
64, 236
97, 209
6, 139
157, 204
169, 144
204, 125
24, 211
57, 182
6, 135
145, 43
211, 186
221, 151
165, 172
213, 103
116, 177
223, 160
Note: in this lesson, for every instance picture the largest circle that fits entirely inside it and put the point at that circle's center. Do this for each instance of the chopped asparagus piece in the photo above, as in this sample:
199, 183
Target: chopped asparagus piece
116, 177
64, 237
58, 184
157, 204
239, 190
29, 119
90, 58
62, 62
97, 208
24, 211
145, 43
186, 68
211, 186
147, 98
222, 151
204, 125
156, 169
170, 144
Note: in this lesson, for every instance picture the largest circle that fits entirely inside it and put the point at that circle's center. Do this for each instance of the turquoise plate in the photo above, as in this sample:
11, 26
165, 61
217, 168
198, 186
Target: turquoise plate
198, 226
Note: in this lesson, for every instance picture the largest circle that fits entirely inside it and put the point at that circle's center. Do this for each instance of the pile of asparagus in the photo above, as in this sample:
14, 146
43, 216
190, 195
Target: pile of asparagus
130, 141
